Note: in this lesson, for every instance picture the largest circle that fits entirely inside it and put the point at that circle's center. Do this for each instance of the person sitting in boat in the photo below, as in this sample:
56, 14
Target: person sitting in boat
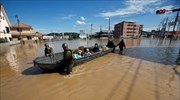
90, 50
68, 59
96, 48
87, 53
48, 50
77, 54
110, 44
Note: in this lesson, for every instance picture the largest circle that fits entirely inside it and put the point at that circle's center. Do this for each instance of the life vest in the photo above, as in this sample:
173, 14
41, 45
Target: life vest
72, 55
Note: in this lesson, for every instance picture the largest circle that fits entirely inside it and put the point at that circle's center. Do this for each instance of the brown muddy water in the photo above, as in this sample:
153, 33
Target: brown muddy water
148, 70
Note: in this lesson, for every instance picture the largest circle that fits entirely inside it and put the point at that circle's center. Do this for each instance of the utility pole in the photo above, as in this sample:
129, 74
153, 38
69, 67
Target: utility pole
19, 30
91, 30
109, 27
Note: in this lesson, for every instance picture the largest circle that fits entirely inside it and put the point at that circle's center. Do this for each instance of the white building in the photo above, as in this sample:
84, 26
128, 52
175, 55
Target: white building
5, 25
47, 37
83, 36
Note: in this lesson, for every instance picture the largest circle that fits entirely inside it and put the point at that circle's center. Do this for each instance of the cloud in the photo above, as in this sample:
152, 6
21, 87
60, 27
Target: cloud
107, 18
68, 16
80, 22
82, 18
133, 7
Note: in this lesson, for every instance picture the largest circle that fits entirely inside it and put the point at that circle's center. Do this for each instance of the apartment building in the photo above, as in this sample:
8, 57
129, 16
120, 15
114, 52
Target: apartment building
127, 29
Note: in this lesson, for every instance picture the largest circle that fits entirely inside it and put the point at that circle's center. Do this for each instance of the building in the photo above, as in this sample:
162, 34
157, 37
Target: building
83, 36
23, 30
5, 25
39, 35
127, 29
105, 34
46, 37
171, 33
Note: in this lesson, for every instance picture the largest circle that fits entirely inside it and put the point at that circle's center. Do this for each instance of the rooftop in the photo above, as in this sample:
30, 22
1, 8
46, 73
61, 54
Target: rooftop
21, 25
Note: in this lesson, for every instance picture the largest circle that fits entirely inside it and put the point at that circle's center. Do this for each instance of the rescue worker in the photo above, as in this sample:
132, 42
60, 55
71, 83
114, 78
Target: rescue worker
48, 50
110, 44
68, 59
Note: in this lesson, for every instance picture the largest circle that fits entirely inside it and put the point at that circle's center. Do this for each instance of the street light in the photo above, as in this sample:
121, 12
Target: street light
109, 29
19, 30
91, 30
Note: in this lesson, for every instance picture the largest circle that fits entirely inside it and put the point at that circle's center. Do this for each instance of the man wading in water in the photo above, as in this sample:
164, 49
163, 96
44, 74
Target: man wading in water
121, 45
48, 50
68, 59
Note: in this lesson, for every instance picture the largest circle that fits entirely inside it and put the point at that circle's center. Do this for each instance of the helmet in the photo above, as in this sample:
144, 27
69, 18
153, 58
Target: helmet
46, 44
64, 45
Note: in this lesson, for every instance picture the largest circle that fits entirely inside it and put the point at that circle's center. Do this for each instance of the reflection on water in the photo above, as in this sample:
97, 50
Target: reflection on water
146, 68
164, 55
11, 57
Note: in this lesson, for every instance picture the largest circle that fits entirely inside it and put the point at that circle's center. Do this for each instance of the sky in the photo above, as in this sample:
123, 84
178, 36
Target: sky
47, 16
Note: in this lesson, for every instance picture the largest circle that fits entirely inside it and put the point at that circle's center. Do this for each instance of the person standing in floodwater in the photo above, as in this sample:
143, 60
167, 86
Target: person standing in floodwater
110, 44
68, 59
48, 50
121, 45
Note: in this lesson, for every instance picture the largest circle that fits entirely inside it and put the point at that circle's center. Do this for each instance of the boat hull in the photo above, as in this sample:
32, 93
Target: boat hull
53, 62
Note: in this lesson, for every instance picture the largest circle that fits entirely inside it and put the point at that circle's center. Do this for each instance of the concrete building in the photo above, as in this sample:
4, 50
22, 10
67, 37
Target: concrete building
26, 32
5, 25
105, 34
127, 29
83, 36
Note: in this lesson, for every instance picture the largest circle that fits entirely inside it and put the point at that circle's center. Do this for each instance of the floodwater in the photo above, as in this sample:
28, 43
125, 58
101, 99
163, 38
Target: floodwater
148, 70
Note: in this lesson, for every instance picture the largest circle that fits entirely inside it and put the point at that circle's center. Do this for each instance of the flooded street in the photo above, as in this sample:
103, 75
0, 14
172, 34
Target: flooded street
148, 70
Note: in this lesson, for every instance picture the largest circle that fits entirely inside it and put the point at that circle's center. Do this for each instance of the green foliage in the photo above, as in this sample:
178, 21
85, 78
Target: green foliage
3, 40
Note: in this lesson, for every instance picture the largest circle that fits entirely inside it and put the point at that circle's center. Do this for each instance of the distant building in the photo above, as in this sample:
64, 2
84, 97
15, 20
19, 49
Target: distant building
171, 33
127, 29
39, 35
25, 30
5, 25
105, 34
46, 37
83, 36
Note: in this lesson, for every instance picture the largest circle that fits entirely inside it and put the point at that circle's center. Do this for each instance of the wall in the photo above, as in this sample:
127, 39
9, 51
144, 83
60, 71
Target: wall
131, 30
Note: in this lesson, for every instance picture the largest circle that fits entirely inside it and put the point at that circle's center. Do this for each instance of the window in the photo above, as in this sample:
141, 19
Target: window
19, 29
130, 28
7, 29
5, 38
